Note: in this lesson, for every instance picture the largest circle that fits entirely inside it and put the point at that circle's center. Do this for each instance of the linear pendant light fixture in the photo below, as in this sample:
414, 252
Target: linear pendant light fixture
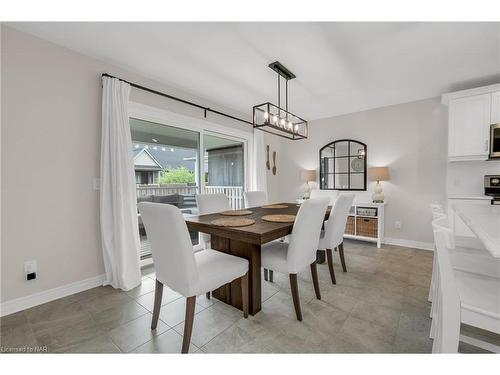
279, 121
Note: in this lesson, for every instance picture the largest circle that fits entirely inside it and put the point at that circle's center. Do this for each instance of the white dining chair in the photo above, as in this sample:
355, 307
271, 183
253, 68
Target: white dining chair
331, 194
177, 266
333, 235
464, 259
462, 297
255, 198
209, 204
292, 257
466, 253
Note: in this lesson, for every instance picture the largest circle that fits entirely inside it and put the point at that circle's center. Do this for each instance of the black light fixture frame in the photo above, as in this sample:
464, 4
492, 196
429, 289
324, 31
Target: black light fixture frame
267, 126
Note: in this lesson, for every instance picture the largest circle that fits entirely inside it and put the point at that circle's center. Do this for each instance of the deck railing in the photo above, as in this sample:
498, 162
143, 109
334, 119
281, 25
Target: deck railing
234, 193
183, 189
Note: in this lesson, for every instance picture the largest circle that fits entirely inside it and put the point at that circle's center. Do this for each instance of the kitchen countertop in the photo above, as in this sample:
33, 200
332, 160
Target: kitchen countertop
484, 222
470, 197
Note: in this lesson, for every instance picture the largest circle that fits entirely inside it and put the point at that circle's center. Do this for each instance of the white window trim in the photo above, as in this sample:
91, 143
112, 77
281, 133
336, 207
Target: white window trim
203, 126
160, 116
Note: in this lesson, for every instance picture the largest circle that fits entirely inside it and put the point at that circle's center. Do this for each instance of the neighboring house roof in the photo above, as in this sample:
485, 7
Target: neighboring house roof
167, 159
143, 160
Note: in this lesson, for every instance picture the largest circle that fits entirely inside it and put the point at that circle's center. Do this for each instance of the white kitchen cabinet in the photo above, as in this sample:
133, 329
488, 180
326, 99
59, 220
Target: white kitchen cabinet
469, 120
458, 227
495, 107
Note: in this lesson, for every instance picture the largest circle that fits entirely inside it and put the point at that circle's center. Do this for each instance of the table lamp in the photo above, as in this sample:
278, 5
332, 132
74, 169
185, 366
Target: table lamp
308, 176
378, 174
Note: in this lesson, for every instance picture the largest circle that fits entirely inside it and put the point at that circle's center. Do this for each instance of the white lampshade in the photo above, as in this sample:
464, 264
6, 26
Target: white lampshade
309, 175
378, 174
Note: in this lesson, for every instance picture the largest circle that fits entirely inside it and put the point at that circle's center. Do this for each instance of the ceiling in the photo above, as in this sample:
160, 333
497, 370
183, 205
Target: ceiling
340, 67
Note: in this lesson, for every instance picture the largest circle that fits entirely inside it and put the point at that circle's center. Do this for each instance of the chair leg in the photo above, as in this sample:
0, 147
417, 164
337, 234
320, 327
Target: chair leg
208, 295
329, 256
157, 304
314, 274
295, 295
271, 274
266, 277
342, 259
188, 323
244, 294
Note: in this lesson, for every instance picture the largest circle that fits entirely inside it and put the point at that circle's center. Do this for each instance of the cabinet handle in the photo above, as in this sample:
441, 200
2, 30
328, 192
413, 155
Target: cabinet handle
486, 145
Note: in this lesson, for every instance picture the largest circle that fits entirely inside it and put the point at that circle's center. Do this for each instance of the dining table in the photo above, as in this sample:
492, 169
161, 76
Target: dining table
245, 242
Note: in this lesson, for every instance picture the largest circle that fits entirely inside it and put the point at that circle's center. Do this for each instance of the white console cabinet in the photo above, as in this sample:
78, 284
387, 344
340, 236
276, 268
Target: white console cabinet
366, 222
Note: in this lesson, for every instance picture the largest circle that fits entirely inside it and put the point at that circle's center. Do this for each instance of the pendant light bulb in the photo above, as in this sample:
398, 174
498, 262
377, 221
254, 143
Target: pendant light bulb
290, 125
282, 122
275, 119
266, 115
296, 128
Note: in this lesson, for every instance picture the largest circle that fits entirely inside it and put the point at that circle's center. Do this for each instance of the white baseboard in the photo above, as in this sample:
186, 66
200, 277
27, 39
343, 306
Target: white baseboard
409, 243
22, 303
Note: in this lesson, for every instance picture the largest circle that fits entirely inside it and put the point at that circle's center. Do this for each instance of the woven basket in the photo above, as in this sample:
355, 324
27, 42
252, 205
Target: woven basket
366, 227
349, 227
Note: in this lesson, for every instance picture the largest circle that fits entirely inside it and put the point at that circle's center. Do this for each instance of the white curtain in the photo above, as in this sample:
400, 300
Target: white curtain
259, 173
119, 227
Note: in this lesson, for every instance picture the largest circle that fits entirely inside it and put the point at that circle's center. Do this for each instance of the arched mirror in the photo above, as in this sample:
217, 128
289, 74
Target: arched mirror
343, 165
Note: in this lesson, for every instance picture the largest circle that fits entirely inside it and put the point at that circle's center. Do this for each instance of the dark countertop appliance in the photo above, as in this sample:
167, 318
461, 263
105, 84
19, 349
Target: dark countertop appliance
492, 188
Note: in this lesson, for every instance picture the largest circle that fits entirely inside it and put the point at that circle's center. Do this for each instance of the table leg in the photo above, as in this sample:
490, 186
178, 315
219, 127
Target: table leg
231, 293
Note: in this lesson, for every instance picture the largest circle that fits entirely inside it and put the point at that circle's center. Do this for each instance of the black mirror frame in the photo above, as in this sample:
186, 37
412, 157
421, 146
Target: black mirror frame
321, 185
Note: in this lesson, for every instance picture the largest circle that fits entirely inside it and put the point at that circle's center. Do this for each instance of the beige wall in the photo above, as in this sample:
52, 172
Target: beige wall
51, 123
410, 138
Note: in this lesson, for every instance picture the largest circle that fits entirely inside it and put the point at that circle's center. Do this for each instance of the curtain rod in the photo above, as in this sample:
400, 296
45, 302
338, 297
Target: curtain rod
206, 109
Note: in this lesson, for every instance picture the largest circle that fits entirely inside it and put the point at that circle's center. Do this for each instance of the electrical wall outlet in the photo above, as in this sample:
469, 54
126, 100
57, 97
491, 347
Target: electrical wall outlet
30, 270
397, 224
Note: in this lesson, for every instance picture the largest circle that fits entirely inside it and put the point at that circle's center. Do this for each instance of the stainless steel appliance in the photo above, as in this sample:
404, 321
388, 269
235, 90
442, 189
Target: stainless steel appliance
495, 141
492, 188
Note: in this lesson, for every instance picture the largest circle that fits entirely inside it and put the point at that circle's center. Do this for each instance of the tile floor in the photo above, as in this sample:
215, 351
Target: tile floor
378, 306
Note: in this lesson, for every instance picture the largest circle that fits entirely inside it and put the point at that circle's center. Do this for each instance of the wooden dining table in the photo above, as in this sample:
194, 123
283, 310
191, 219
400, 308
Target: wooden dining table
245, 242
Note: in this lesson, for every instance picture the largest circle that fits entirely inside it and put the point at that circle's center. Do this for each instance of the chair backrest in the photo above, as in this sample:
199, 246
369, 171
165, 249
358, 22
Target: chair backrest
305, 234
211, 203
171, 246
436, 208
440, 222
334, 231
331, 194
448, 310
255, 198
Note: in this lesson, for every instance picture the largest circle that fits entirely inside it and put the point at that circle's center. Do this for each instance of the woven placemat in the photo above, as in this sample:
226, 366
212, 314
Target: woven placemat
233, 222
236, 213
275, 206
279, 218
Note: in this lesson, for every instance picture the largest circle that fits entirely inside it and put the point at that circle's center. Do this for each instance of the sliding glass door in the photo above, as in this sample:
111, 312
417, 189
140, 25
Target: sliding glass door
169, 169
224, 168
166, 162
